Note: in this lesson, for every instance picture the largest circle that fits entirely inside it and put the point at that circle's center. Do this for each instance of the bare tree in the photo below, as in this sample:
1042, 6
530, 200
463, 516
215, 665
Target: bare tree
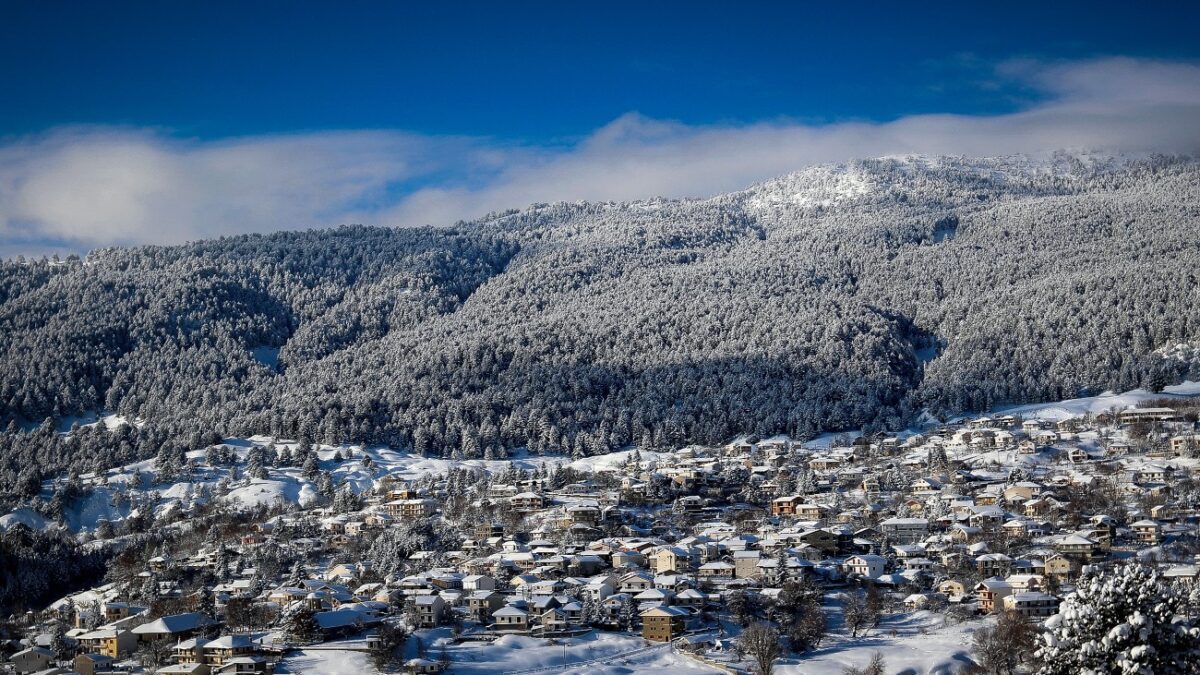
761, 641
999, 649
856, 613
874, 667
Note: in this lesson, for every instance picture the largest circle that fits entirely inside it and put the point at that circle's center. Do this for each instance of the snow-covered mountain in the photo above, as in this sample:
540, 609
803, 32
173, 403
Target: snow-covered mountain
837, 297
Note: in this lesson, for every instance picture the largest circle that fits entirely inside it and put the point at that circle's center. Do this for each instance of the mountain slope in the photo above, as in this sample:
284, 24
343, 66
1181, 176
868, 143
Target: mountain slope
836, 297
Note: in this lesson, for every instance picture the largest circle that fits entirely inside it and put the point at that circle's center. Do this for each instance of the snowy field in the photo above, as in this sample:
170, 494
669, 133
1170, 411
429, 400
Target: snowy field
919, 643
592, 654
1078, 407
599, 653
923, 645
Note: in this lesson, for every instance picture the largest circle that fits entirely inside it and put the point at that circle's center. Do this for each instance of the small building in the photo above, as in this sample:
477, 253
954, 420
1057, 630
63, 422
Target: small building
745, 564
663, 624
90, 664
905, 530
1032, 604
111, 642
866, 565
510, 619
32, 660
1076, 546
173, 627
717, 569
1147, 531
410, 508
430, 610
991, 594
528, 501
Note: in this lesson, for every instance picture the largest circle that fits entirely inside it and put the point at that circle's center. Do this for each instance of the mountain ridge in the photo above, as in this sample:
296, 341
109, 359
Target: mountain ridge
581, 327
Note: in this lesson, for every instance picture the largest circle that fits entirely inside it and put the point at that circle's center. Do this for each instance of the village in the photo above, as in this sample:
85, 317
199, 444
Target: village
678, 556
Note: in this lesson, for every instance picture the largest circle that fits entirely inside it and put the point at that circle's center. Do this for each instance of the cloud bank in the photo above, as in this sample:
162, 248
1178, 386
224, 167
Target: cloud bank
78, 188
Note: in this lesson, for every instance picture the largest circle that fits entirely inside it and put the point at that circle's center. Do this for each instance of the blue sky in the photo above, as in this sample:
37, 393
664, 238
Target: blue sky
125, 123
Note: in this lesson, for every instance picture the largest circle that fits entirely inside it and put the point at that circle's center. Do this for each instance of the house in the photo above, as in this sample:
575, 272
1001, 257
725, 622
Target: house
671, 559
189, 651
32, 660
246, 665
987, 518
866, 565
1186, 574
90, 664
409, 509
554, 620
173, 627
786, 506
824, 463
905, 551
1039, 506
1147, 531
527, 501
1026, 582
717, 569
926, 486
745, 564
663, 624
1022, 491
185, 669
510, 619
1155, 473
1185, 445
1061, 567
112, 611
905, 530
918, 601
226, 648
584, 514
481, 604
478, 582
111, 642
635, 582
993, 564
991, 594
823, 540
1136, 415
429, 610
952, 589
811, 511
1076, 546
1032, 604
690, 598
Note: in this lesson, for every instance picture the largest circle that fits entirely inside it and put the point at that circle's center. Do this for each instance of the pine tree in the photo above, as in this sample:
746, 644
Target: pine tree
207, 606
59, 643
311, 468
300, 625
1125, 622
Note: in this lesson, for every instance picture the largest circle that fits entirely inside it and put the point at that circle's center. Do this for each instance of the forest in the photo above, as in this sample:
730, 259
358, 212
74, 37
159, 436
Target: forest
854, 296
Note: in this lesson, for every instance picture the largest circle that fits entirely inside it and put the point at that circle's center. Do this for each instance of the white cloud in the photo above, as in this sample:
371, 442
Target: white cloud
85, 187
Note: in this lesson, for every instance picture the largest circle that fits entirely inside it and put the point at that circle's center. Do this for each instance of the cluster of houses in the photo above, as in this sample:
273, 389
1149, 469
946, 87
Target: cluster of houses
987, 515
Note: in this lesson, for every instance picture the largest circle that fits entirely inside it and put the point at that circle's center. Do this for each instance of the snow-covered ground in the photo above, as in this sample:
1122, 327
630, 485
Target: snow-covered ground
1078, 407
327, 662
593, 653
923, 645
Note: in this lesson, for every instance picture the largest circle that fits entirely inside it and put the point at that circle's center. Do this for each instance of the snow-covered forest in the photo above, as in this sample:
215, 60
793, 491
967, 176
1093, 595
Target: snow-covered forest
840, 297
